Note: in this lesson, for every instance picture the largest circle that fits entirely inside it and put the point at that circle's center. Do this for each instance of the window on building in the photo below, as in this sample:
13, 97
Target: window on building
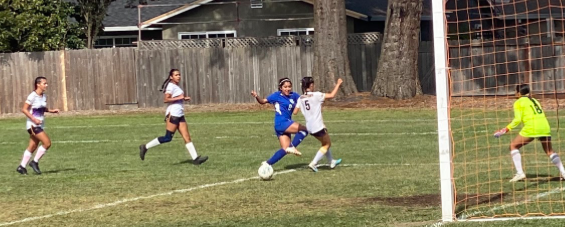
115, 41
207, 35
295, 31
256, 4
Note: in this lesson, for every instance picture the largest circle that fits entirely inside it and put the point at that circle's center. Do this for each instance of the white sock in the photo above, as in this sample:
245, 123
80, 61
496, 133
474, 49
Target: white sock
329, 156
557, 162
40, 152
25, 159
317, 158
517, 159
153, 143
191, 150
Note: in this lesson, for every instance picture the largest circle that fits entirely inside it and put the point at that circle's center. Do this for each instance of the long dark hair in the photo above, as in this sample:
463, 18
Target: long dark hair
38, 81
524, 90
166, 82
282, 81
306, 81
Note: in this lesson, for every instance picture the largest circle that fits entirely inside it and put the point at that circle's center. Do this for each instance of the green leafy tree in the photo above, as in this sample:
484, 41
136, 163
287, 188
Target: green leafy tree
92, 13
38, 25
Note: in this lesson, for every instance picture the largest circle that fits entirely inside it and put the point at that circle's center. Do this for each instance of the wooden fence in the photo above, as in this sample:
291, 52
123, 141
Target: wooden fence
77, 79
214, 71
496, 69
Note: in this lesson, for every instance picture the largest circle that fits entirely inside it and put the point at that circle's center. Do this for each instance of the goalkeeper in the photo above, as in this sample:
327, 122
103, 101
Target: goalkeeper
528, 110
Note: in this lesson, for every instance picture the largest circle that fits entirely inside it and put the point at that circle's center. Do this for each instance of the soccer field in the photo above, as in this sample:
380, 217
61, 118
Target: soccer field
92, 175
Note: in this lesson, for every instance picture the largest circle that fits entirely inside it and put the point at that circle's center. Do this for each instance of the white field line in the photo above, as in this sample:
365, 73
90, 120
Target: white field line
257, 123
531, 199
233, 136
119, 202
105, 205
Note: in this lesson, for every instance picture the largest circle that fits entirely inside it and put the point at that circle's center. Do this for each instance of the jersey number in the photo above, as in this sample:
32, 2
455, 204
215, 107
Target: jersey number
537, 110
307, 105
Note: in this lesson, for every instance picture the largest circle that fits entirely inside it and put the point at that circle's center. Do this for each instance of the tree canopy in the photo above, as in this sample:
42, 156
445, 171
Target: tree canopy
39, 25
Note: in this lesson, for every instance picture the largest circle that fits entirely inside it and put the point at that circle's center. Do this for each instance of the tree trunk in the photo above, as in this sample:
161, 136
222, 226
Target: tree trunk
397, 72
89, 37
331, 60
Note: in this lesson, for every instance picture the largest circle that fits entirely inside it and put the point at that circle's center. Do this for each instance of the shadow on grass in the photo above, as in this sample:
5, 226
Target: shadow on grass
297, 166
467, 201
57, 171
188, 161
540, 178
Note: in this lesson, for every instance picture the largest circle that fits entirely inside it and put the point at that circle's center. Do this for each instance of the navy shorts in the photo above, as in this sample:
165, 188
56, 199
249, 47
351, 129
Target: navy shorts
320, 133
280, 127
34, 130
175, 120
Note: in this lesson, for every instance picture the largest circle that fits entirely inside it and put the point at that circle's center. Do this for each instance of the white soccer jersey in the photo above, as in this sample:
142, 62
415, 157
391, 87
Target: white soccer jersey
38, 106
310, 105
175, 108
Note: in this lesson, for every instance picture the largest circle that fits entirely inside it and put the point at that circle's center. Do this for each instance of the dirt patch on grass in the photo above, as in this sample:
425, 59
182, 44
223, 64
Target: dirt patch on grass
465, 200
408, 201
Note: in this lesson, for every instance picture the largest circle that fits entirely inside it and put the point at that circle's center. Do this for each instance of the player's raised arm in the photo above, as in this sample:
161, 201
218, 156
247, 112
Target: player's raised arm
336, 88
259, 99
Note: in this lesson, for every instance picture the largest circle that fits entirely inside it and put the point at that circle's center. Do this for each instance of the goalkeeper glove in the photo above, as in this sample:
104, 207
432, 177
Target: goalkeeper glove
501, 132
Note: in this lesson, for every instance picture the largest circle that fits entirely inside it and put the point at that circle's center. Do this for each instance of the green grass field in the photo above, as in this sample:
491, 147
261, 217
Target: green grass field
389, 176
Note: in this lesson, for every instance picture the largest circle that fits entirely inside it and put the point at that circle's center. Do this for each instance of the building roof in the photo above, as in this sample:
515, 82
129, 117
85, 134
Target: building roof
120, 17
376, 9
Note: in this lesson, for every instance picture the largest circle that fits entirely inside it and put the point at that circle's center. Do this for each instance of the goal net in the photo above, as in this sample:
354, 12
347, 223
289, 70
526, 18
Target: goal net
484, 49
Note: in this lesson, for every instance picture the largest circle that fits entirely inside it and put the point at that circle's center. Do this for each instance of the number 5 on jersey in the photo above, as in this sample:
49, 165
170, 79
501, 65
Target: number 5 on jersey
306, 105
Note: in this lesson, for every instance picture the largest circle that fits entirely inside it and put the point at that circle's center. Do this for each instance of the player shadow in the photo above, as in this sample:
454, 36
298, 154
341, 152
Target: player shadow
297, 166
541, 178
467, 201
57, 171
532, 181
189, 161
305, 166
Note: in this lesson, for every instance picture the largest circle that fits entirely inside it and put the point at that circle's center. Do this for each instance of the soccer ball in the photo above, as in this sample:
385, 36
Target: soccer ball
266, 172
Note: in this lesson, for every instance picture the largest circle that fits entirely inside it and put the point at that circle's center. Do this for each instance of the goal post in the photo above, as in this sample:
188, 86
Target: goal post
483, 50
442, 95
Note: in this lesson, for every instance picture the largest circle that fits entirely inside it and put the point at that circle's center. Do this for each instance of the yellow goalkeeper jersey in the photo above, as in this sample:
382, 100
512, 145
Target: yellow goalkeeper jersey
533, 117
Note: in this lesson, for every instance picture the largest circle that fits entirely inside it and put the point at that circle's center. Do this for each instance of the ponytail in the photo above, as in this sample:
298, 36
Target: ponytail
166, 82
524, 89
305, 82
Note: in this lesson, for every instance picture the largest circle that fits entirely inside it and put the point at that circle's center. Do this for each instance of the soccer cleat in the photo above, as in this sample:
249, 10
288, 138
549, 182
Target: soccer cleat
199, 160
142, 151
313, 167
35, 166
518, 177
292, 150
22, 170
334, 163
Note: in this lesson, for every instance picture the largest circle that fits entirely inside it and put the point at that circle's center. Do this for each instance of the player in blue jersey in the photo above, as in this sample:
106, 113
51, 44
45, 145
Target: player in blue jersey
284, 101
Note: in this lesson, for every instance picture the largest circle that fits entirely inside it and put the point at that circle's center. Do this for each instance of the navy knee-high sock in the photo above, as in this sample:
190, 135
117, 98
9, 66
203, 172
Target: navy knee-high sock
298, 137
276, 157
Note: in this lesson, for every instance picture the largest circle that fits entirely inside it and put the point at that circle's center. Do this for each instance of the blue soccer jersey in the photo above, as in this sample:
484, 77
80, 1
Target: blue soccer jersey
284, 105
